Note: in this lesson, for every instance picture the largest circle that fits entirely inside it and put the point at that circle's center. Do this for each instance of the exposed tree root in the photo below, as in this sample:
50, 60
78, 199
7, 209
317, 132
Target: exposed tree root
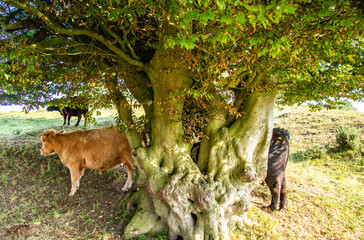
190, 205
145, 220
196, 205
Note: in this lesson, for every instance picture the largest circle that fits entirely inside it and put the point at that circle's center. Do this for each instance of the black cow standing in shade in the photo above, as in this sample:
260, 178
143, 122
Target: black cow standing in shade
68, 112
277, 162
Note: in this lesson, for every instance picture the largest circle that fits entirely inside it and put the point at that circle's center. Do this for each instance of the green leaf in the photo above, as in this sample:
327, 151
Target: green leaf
91, 12
13, 55
221, 4
323, 13
224, 38
252, 19
351, 58
261, 18
290, 9
194, 14
208, 15
253, 41
241, 18
263, 52
30, 67
113, 15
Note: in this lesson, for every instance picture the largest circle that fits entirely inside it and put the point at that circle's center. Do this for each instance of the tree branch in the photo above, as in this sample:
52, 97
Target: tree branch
72, 32
46, 44
122, 43
122, 105
217, 117
49, 46
21, 25
39, 36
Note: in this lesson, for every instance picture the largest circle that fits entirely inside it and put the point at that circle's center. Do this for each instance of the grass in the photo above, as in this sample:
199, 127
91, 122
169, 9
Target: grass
14, 124
325, 187
34, 202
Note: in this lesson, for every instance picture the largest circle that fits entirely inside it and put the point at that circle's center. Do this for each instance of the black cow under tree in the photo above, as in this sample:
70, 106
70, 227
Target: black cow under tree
277, 162
74, 106
204, 72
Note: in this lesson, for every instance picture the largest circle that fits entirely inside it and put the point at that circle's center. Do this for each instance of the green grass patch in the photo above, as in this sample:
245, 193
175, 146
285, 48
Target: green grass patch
325, 186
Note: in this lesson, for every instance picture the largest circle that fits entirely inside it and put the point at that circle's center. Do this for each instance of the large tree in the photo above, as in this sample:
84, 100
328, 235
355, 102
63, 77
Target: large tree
205, 72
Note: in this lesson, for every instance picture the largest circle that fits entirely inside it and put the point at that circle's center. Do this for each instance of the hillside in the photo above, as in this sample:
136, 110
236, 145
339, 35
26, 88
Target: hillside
325, 187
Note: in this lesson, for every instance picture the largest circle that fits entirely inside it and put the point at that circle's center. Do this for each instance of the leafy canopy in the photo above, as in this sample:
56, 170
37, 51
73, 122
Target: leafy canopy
313, 50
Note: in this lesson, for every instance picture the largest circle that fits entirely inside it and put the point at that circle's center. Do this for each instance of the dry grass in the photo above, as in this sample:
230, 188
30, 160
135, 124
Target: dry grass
325, 195
309, 128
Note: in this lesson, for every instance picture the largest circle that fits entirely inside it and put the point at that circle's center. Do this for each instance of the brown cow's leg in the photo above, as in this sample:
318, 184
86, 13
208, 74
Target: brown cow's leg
283, 197
129, 181
76, 174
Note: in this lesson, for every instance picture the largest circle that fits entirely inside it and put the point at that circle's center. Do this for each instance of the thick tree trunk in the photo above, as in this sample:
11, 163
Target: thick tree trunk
204, 200
196, 205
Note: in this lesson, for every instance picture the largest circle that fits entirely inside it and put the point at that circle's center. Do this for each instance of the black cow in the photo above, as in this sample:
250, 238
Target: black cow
277, 162
68, 112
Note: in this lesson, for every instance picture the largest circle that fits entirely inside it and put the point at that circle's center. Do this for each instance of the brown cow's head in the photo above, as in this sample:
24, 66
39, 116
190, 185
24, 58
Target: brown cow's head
48, 139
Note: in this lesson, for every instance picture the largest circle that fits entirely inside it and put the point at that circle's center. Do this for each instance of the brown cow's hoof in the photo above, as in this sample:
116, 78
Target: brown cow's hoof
71, 194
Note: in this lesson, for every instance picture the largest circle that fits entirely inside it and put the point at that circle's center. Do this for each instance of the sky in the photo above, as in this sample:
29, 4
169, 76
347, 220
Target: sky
359, 106
10, 108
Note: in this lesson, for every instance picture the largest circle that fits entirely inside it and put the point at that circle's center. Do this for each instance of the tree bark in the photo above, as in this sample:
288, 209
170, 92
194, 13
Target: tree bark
190, 203
207, 199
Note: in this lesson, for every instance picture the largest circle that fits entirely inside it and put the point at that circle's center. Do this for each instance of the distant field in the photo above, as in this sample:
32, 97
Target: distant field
14, 124
325, 187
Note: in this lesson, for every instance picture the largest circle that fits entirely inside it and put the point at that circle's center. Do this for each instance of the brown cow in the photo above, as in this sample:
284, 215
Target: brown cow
103, 148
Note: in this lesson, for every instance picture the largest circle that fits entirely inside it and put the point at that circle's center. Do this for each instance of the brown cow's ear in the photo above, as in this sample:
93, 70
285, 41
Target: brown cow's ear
50, 134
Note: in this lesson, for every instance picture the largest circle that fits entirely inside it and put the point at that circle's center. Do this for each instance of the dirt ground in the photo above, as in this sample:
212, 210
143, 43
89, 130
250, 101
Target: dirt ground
34, 203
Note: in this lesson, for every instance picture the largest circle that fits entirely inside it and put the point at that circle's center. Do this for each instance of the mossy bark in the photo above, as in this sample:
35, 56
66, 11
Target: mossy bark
202, 200
193, 204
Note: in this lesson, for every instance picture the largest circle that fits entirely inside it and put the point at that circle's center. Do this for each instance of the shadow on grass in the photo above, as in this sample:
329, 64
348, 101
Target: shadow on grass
298, 157
35, 193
